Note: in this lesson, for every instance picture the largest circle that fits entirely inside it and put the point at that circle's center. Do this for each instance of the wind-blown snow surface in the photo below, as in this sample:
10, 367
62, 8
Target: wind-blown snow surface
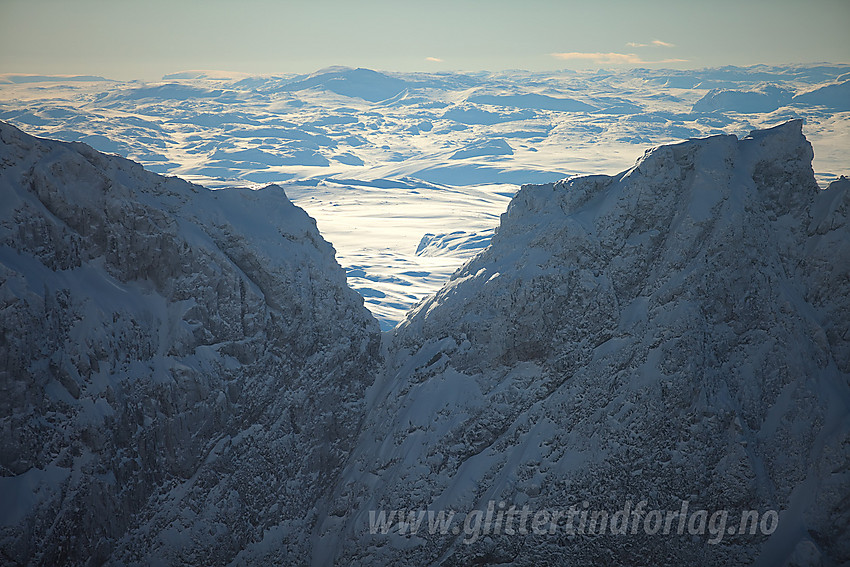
183, 370
675, 332
445, 151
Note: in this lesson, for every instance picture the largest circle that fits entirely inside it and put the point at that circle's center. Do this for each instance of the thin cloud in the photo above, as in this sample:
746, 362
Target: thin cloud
610, 58
605, 58
654, 42
434, 59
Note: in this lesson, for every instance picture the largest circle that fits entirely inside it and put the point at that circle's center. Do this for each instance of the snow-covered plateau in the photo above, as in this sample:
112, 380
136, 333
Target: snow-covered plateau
381, 159
189, 378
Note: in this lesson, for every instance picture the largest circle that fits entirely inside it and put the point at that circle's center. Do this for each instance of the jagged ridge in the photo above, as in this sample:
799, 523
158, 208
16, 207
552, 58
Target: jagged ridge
183, 369
670, 333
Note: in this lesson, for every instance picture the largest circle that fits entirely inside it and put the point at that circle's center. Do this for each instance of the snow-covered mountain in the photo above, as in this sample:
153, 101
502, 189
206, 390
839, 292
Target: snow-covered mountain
183, 370
677, 332
187, 378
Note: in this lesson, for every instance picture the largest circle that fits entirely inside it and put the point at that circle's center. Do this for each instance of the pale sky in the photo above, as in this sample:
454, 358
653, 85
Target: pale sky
120, 39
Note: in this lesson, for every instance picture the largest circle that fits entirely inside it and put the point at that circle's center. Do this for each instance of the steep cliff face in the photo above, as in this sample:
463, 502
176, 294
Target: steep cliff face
677, 332
182, 370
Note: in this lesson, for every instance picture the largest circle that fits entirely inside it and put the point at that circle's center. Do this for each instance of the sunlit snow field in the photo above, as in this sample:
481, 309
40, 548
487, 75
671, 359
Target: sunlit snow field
407, 174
